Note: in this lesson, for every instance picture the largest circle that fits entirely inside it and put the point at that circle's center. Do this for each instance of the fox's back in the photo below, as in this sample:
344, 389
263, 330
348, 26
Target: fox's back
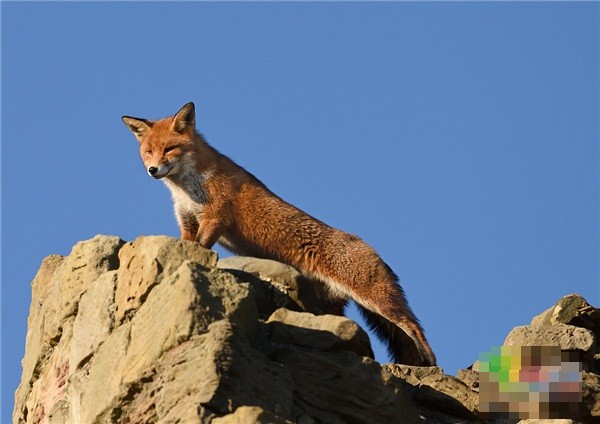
264, 225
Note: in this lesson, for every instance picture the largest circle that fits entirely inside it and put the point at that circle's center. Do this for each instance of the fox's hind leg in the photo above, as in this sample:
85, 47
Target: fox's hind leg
332, 305
329, 302
401, 348
335, 306
388, 314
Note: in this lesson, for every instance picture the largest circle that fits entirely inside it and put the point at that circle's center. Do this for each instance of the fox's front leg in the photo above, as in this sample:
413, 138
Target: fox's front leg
214, 220
209, 232
188, 225
200, 229
206, 232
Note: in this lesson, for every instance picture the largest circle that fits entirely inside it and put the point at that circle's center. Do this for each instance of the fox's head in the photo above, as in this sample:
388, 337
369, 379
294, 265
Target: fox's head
165, 144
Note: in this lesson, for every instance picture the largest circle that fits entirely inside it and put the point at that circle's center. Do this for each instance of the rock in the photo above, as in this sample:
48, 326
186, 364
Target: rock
448, 394
153, 331
341, 387
590, 393
38, 347
56, 292
87, 261
183, 306
250, 414
433, 389
48, 389
277, 285
469, 377
568, 337
186, 304
432, 416
325, 332
209, 375
572, 310
412, 374
95, 318
99, 382
146, 261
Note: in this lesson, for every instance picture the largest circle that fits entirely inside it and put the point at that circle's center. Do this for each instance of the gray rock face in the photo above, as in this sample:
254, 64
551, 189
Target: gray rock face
157, 331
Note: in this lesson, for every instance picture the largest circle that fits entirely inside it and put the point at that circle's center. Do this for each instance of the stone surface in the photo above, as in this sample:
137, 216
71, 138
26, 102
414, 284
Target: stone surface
95, 318
209, 375
38, 347
56, 291
153, 331
250, 414
572, 310
87, 261
341, 387
277, 285
432, 389
412, 374
590, 396
184, 305
325, 332
448, 394
469, 377
146, 261
568, 337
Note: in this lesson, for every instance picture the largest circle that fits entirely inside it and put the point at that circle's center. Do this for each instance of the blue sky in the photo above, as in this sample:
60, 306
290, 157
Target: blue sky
458, 139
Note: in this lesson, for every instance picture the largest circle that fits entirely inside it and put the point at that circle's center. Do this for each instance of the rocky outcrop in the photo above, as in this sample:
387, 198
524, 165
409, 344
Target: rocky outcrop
154, 331
159, 331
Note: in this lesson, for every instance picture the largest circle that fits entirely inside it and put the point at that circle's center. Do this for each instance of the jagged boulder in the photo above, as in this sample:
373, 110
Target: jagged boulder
276, 285
431, 389
574, 310
326, 332
568, 337
145, 262
571, 310
153, 331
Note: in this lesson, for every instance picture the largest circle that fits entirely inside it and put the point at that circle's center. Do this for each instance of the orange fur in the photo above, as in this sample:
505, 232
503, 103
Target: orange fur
216, 200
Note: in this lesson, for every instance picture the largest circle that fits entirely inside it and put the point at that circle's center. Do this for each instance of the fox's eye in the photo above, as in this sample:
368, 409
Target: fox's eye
148, 152
170, 148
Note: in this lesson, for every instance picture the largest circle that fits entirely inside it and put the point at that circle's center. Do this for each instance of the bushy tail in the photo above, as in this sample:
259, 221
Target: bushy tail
401, 348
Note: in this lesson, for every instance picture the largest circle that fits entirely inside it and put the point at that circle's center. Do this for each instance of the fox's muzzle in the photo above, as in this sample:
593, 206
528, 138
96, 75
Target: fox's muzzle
158, 172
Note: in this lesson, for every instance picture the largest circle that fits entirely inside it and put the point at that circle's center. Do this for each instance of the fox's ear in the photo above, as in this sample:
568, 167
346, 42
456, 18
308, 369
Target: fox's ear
185, 118
138, 126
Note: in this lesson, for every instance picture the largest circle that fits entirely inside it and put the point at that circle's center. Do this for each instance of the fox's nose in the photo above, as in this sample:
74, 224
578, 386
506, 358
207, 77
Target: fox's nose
152, 170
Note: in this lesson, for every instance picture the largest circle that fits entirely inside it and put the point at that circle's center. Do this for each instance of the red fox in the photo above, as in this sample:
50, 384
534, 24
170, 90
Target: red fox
217, 200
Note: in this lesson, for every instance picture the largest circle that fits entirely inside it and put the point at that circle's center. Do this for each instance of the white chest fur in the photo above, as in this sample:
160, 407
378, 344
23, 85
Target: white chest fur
187, 190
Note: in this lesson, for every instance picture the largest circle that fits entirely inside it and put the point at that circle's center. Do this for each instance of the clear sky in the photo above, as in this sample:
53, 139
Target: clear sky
459, 139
